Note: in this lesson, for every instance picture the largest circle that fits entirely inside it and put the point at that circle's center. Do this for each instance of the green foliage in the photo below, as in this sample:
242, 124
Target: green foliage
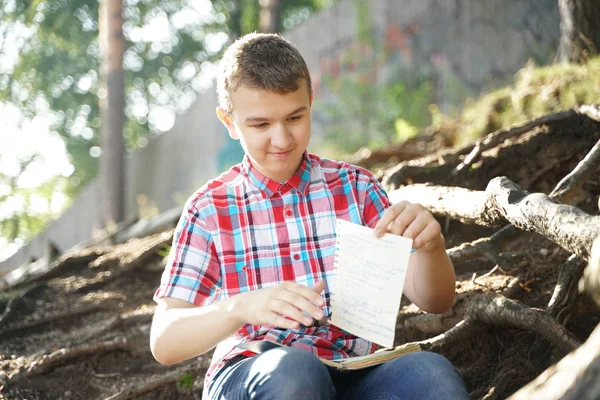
357, 109
164, 250
536, 91
16, 224
56, 74
366, 114
186, 382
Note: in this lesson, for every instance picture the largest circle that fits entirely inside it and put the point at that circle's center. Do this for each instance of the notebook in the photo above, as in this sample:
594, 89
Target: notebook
346, 364
367, 285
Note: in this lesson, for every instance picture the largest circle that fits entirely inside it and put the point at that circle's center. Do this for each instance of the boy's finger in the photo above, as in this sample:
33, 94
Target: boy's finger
310, 293
428, 235
279, 321
292, 312
388, 217
301, 303
416, 226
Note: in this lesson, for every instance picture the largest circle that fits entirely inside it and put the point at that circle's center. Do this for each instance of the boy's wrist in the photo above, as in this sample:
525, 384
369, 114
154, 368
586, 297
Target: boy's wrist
234, 306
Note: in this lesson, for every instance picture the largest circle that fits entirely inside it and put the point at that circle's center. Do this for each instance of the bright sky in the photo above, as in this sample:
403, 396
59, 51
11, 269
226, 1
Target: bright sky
21, 138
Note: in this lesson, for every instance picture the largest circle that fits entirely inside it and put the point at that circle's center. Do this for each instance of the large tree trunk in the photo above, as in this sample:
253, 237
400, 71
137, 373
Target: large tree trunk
270, 15
112, 106
579, 29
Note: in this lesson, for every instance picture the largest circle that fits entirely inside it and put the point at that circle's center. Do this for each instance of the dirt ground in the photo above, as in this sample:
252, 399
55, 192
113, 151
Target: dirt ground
98, 305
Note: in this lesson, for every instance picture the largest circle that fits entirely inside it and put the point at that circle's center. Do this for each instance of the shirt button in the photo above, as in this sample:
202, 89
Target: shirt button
296, 257
244, 268
284, 187
289, 213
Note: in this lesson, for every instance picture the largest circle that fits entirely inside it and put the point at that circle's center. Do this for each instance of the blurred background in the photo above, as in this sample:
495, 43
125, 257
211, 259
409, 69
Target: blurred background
107, 110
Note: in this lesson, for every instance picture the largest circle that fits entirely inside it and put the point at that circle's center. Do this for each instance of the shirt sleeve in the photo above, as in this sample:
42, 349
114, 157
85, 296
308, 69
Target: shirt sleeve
193, 271
375, 201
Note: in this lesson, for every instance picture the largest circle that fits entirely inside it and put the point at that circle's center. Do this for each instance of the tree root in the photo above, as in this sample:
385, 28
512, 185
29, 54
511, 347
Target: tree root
398, 175
575, 377
500, 136
46, 362
462, 331
78, 312
438, 200
487, 246
12, 304
22, 276
449, 163
457, 203
95, 333
566, 290
565, 225
496, 388
161, 380
591, 275
496, 309
124, 266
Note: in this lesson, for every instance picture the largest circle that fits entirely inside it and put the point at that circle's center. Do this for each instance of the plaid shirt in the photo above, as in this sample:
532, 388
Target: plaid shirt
243, 231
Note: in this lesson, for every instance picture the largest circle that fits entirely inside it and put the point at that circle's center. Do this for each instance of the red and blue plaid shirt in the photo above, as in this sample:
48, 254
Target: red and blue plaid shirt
243, 231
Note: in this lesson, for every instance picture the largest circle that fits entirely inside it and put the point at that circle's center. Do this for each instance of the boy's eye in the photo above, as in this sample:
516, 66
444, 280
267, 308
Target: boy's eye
260, 126
295, 117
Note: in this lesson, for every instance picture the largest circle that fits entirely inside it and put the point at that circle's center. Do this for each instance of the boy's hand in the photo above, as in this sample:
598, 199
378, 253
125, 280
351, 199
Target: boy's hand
268, 306
412, 221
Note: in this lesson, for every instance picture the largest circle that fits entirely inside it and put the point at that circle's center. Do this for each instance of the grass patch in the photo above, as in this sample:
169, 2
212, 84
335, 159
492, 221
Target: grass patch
536, 91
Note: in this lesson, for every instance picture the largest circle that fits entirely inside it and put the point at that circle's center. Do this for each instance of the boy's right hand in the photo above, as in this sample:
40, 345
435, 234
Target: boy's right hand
268, 306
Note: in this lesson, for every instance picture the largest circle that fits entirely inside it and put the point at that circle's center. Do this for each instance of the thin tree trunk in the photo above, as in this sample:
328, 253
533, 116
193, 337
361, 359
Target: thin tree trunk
579, 30
270, 15
112, 106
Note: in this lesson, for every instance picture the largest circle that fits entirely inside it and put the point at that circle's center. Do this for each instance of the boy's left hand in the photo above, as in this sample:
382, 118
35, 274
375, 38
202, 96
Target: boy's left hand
412, 221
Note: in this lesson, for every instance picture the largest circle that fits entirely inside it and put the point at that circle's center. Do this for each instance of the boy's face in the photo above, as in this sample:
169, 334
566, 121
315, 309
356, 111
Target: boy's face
274, 129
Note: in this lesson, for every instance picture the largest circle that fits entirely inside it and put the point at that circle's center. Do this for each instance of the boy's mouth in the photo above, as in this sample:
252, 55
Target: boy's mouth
282, 154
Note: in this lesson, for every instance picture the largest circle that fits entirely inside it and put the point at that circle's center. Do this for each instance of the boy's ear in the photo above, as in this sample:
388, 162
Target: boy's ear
312, 96
225, 118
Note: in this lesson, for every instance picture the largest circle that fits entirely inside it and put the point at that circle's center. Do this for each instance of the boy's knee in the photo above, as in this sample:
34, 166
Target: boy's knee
294, 373
424, 362
297, 362
430, 367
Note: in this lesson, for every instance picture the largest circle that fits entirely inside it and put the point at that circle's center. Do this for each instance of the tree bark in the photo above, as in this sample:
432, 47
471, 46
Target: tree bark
112, 111
270, 15
579, 30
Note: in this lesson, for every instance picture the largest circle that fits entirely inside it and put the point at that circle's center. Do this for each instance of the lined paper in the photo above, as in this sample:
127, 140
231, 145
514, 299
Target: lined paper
367, 287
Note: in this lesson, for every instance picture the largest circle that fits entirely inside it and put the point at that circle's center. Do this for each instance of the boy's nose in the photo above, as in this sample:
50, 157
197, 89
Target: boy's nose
281, 138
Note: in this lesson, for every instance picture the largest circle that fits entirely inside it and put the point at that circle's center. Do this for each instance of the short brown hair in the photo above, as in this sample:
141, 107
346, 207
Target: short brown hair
261, 61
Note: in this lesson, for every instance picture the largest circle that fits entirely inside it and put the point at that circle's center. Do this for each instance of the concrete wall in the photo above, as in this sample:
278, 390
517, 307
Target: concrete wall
167, 171
173, 165
470, 44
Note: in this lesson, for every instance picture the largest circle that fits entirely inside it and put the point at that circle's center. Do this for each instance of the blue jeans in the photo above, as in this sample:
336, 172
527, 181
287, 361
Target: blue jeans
290, 373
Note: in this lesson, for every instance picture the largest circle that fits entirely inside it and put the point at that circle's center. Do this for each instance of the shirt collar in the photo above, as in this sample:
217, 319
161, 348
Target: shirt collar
269, 187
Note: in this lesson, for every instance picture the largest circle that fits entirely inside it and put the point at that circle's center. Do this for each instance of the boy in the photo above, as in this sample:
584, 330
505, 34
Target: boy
253, 252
